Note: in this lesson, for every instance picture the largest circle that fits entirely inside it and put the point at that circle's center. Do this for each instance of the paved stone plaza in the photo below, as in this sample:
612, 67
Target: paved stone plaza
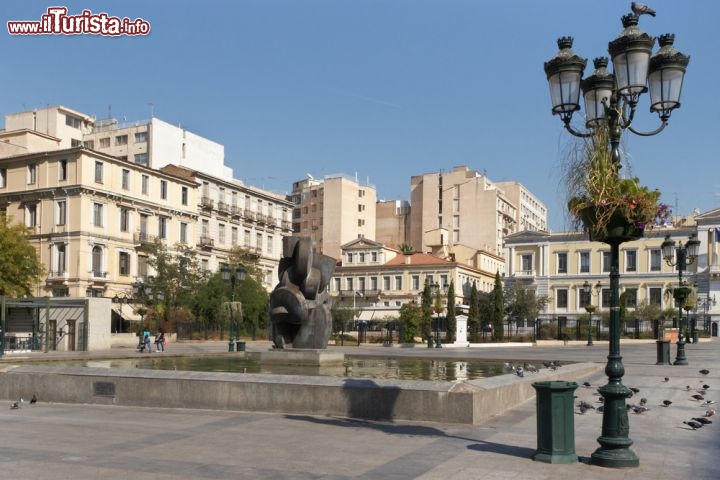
59, 441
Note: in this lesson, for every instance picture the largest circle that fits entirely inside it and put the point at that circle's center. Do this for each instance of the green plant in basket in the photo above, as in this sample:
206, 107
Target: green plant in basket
602, 201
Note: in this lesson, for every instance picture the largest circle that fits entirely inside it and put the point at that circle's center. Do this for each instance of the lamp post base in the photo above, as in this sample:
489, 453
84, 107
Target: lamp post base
680, 358
614, 450
231, 344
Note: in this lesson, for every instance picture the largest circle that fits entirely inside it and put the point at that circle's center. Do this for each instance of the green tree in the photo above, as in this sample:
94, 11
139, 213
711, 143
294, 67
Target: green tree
406, 248
473, 312
410, 316
20, 268
522, 303
498, 309
205, 304
341, 315
451, 318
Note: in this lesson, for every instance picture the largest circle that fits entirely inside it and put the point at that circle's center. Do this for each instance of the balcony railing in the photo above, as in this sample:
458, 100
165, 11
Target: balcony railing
206, 202
236, 211
98, 274
206, 241
223, 207
142, 238
524, 273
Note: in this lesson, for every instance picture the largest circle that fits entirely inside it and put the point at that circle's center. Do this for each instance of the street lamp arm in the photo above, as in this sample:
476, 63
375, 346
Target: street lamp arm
649, 134
574, 132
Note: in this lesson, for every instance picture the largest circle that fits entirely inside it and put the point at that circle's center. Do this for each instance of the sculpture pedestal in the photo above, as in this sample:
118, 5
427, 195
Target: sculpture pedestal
300, 356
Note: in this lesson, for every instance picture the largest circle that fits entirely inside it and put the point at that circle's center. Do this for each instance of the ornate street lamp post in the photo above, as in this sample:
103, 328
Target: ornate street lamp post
680, 256
232, 275
589, 307
706, 303
610, 102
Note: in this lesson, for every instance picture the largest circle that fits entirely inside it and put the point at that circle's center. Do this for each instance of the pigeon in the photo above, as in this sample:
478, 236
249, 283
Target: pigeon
666, 379
694, 425
709, 412
601, 408
707, 403
519, 371
688, 388
667, 403
704, 371
702, 420
639, 409
584, 405
698, 397
635, 390
643, 401
15, 406
706, 387
587, 384
530, 368
33, 400
640, 9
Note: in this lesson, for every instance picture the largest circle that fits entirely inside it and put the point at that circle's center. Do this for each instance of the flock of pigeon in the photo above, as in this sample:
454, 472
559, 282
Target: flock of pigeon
520, 370
18, 405
641, 407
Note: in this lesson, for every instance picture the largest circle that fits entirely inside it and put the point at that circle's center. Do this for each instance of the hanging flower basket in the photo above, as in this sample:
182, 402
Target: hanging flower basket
615, 226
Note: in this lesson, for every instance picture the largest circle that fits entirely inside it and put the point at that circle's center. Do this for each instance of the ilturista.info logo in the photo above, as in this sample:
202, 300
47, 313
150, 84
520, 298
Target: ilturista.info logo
57, 22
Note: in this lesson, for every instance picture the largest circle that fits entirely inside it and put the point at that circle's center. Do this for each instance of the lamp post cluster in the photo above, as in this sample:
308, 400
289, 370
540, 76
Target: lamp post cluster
232, 275
589, 307
705, 303
681, 256
144, 294
120, 299
610, 102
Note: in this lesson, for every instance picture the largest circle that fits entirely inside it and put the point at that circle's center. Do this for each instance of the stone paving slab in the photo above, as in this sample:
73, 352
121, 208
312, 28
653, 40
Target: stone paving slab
61, 441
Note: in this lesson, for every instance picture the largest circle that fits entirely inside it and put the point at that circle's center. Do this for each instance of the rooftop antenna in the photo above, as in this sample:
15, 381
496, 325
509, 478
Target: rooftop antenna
152, 110
109, 111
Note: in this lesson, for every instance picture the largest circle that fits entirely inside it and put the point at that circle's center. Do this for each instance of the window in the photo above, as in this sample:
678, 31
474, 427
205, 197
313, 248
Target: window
204, 265
415, 282
124, 263
526, 262
142, 263
60, 258
124, 219
183, 232
73, 122
374, 257
205, 228
97, 257
361, 284
269, 245
336, 284
141, 158
655, 260
145, 184
361, 257
31, 215
373, 283
125, 179
562, 265
398, 282
630, 297
184, 195
98, 214
221, 233
75, 142
105, 142
98, 172
31, 173
62, 170
386, 283
349, 282
3, 177
258, 241
90, 144
561, 298
141, 137
121, 140
444, 281
163, 189
246, 238
350, 257
605, 261
143, 226
656, 296
61, 212
631, 261
162, 227
605, 298
584, 262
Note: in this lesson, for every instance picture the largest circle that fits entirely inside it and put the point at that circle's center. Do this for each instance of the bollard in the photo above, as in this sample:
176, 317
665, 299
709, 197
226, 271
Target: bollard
555, 422
663, 352
430, 341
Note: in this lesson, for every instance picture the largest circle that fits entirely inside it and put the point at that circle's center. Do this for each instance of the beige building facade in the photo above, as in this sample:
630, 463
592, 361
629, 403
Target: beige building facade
392, 226
333, 211
379, 280
472, 210
531, 212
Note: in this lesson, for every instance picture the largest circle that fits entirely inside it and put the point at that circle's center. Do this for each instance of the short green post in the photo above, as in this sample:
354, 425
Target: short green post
430, 341
555, 422
663, 352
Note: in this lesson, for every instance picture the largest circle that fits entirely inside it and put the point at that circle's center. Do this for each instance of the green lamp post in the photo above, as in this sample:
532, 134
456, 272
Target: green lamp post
680, 256
589, 307
610, 102
232, 275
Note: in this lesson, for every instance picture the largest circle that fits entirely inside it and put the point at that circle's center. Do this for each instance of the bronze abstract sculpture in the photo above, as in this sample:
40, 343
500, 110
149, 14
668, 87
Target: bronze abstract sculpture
300, 304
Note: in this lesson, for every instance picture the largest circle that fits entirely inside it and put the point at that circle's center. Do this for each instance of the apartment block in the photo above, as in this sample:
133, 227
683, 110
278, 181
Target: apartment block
333, 211
392, 224
464, 203
531, 212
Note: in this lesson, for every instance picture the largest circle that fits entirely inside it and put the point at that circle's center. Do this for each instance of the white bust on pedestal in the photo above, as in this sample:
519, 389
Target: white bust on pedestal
461, 330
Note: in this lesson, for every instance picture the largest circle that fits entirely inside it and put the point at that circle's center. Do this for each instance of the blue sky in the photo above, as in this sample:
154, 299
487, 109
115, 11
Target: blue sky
384, 89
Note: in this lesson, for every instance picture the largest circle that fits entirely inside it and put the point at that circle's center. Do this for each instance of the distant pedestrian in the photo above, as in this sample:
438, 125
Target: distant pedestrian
146, 341
160, 341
